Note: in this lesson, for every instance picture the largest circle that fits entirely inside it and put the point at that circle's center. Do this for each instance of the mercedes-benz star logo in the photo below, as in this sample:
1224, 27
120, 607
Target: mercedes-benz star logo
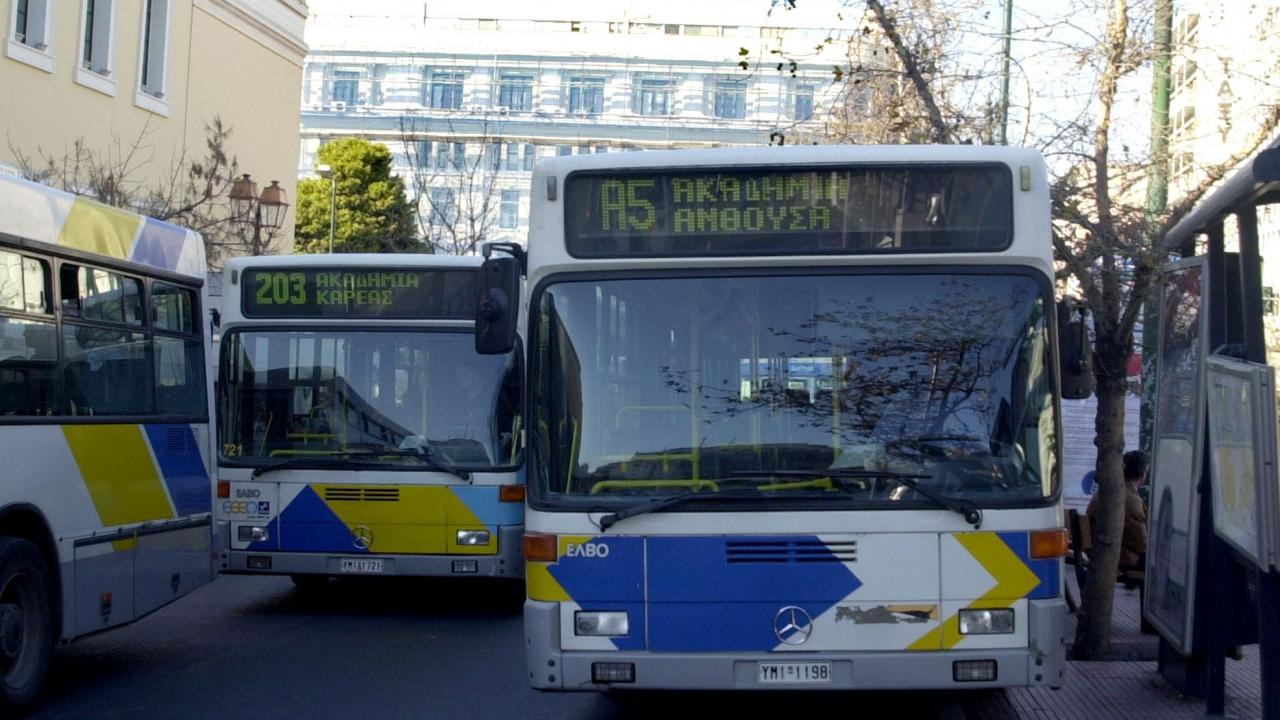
792, 625
361, 537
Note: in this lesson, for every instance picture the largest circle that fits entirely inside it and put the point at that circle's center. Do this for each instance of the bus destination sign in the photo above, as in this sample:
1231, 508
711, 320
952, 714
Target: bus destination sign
844, 209
373, 293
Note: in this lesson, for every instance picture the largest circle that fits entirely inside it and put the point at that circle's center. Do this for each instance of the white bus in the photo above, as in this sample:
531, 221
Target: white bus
793, 420
104, 426
359, 431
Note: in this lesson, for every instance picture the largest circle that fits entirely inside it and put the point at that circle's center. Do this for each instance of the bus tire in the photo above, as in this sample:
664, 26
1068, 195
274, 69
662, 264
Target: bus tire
26, 623
310, 583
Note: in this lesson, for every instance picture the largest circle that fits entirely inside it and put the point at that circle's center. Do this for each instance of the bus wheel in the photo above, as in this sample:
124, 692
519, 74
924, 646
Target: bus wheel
26, 627
310, 583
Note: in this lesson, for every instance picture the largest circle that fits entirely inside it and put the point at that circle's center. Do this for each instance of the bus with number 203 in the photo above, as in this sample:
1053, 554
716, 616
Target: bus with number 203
359, 431
104, 423
793, 419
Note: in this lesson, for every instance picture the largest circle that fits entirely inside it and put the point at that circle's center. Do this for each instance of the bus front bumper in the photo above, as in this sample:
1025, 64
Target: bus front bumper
1040, 664
507, 563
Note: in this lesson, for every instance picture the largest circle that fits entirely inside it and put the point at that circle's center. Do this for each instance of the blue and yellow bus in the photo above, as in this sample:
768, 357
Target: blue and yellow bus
793, 419
104, 423
359, 431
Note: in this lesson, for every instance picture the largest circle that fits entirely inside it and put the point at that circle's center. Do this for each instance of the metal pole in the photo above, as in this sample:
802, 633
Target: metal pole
333, 207
1157, 202
1004, 73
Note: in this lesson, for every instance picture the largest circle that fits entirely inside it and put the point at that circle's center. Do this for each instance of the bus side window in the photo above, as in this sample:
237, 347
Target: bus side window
69, 289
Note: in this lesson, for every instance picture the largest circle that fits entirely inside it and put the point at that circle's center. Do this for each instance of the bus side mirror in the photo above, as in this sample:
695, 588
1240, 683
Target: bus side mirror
1075, 356
498, 305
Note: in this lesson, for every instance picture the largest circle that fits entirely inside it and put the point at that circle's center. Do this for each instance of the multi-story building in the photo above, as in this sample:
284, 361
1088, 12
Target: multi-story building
468, 95
136, 82
1225, 87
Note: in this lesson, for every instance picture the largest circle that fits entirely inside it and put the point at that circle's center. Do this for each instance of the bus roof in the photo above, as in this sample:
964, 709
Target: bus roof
381, 260
1031, 238
794, 155
33, 212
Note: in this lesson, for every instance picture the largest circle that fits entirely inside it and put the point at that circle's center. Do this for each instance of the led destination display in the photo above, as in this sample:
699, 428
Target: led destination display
846, 209
386, 293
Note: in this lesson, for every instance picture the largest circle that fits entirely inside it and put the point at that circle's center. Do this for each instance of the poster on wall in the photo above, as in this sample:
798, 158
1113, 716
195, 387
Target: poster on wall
1242, 454
1169, 602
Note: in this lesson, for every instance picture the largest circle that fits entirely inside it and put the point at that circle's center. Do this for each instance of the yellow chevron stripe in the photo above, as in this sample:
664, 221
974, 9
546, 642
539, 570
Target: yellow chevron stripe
119, 473
542, 585
98, 228
462, 517
1013, 581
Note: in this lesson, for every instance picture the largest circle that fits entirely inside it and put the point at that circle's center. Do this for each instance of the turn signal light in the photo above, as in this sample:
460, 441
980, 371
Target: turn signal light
511, 493
224, 488
1049, 543
540, 547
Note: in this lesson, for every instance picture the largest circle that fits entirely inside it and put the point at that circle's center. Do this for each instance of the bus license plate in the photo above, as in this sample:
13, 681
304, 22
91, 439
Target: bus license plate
786, 673
362, 565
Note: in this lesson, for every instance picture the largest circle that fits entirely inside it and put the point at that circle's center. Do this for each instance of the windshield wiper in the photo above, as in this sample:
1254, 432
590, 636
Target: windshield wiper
428, 458
608, 520
967, 508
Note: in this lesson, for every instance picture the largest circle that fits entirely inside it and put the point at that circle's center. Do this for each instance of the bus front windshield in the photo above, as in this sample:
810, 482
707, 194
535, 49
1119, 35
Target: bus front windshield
332, 393
817, 386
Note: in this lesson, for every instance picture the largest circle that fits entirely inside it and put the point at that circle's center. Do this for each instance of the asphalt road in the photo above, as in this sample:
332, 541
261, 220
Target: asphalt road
249, 648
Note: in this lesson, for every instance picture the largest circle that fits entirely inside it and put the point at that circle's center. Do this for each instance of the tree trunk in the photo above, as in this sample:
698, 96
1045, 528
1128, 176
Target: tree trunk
1093, 629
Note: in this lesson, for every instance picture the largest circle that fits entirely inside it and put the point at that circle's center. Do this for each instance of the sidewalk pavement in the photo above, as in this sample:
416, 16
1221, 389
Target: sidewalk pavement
1128, 685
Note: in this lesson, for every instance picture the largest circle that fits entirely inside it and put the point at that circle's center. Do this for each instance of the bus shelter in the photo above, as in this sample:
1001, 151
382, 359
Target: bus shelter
1212, 574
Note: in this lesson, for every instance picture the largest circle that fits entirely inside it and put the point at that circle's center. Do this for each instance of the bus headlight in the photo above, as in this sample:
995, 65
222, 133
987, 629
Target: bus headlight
252, 533
473, 537
986, 622
601, 624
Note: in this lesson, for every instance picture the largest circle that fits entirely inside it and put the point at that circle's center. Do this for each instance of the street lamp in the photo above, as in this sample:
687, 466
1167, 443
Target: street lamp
261, 212
326, 171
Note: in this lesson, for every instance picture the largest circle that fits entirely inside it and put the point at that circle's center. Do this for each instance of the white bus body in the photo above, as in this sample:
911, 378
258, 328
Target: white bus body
104, 426
389, 463
738, 359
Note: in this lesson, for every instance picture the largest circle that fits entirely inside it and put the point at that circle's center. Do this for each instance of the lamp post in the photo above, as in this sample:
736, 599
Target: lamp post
261, 212
326, 171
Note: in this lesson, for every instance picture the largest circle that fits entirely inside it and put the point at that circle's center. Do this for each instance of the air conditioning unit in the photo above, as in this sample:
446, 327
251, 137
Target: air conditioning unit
339, 106
503, 110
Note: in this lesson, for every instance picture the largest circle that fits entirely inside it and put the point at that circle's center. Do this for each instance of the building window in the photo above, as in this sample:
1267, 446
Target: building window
155, 51
1184, 120
495, 156
346, 86
515, 92
1183, 76
30, 23
442, 155
444, 208
97, 45
509, 217
731, 98
802, 103
459, 156
655, 96
1181, 164
513, 156
586, 94
31, 33
562, 150
446, 90
529, 157
422, 154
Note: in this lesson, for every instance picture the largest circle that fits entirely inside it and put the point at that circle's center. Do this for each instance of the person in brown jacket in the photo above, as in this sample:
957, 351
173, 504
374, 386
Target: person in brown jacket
1133, 545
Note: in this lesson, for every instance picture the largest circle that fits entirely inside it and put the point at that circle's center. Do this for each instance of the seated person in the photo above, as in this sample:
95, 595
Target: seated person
1133, 545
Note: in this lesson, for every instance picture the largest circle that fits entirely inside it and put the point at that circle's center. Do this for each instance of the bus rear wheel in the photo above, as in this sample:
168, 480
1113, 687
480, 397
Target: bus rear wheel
26, 623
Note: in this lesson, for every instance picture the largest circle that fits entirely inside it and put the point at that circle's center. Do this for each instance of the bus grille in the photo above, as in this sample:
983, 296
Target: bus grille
362, 494
790, 551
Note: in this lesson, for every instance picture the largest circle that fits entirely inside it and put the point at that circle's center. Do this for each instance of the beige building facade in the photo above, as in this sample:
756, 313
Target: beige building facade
148, 76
